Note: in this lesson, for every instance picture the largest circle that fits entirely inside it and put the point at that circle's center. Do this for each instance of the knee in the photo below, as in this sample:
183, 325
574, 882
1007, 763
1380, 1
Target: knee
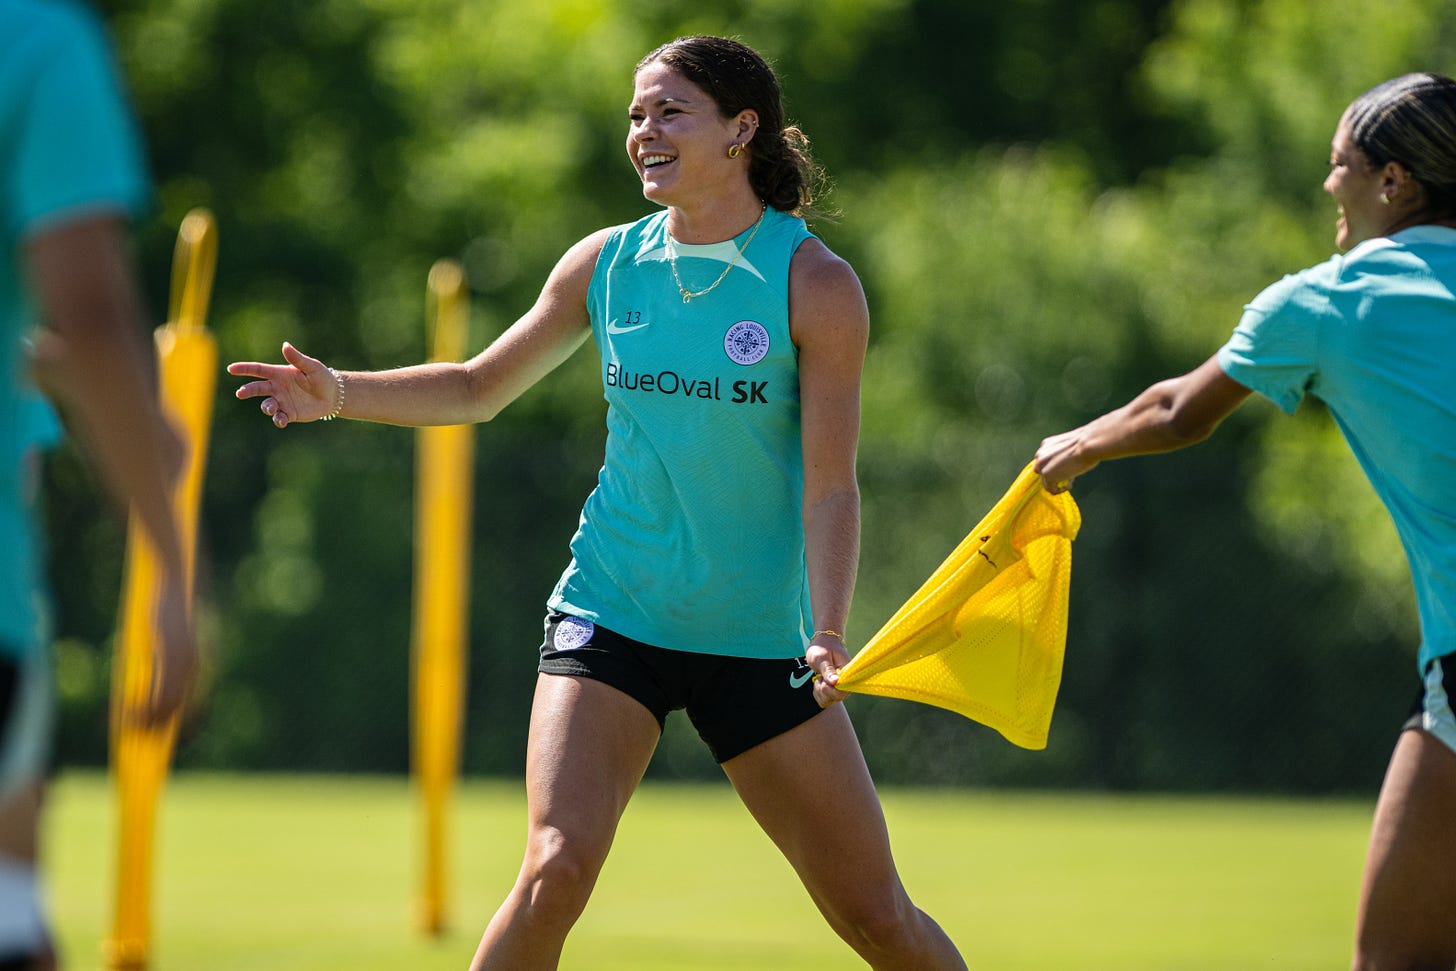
885, 924
558, 876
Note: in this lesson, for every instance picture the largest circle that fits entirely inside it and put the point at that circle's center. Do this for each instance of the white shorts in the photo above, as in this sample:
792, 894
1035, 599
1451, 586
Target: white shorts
27, 718
1432, 710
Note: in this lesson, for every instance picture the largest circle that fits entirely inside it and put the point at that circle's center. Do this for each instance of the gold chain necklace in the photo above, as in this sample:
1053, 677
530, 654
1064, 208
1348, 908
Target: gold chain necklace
687, 294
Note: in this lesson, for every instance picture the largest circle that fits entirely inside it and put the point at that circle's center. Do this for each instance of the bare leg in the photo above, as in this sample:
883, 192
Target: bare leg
1407, 919
589, 746
20, 824
811, 792
19, 845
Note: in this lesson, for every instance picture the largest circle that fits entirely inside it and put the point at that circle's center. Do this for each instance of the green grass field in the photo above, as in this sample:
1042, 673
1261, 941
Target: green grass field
318, 873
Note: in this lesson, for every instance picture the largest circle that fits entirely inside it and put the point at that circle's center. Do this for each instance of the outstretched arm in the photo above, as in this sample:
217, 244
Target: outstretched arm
830, 323
303, 388
1170, 415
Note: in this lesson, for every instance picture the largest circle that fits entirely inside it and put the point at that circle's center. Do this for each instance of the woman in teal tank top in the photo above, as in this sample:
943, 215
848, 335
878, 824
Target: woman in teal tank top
1371, 333
716, 558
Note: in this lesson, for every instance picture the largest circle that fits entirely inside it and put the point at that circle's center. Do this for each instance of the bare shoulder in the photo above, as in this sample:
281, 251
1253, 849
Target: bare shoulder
816, 265
582, 256
825, 294
561, 307
570, 278
592, 245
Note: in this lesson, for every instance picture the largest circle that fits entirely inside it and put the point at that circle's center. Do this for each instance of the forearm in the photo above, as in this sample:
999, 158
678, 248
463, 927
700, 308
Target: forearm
137, 452
1171, 414
422, 394
831, 546
94, 356
1150, 423
457, 394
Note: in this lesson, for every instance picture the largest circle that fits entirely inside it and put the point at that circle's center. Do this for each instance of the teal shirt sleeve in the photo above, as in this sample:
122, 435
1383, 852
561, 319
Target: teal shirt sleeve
77, 148
1275, 348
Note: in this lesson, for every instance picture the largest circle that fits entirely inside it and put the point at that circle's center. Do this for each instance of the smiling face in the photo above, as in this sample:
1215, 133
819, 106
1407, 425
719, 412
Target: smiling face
1356, 186
678, 140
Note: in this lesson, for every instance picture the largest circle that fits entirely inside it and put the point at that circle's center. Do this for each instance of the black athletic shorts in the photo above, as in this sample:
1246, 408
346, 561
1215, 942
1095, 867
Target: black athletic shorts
9, 689
735, 703
1432, 708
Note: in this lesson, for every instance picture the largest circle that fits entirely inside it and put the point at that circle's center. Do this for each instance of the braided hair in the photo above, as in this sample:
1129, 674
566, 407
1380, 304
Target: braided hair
1412, 120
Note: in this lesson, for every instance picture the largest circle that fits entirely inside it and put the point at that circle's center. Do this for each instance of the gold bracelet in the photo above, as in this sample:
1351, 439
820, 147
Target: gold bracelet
832, 633
338, 405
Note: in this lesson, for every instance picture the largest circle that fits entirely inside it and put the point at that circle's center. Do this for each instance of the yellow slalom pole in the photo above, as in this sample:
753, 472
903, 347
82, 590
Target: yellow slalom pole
443, 481
187, 379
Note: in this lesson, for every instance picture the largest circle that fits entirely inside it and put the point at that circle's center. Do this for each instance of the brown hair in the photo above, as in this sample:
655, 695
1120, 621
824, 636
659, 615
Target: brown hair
736, 77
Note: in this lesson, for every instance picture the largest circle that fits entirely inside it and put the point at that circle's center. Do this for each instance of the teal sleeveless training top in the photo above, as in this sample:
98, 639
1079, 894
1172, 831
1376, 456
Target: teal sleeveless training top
693, 538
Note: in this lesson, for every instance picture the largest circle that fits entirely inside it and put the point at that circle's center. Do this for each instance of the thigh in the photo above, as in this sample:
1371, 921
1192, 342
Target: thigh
811, 791
583, 649
589, 747
738, 703
1408, 899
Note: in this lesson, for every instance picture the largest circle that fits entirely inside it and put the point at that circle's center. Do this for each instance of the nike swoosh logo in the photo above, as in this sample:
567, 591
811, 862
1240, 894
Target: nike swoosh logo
615, 328
796, 681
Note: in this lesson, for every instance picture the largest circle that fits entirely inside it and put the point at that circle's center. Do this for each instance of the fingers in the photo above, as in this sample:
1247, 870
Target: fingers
826, 694
295, 359
255, 389
300, 360
1056, 486
275, 381
271, 408
174, 665
826, 656
1054, 463
260, 389
250, 369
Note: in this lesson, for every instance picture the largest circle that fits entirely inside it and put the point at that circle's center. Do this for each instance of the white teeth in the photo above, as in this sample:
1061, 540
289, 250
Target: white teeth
651, 160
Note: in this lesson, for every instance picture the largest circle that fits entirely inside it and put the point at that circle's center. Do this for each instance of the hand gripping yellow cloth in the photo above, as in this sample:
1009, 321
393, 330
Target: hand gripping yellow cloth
985, 635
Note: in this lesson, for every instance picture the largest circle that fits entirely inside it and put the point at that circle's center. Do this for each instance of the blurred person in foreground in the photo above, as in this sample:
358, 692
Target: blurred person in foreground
71, 176
1372, 334
715, 560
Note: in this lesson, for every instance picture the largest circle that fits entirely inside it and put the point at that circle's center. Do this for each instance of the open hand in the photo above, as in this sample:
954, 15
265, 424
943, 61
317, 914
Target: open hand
303, 389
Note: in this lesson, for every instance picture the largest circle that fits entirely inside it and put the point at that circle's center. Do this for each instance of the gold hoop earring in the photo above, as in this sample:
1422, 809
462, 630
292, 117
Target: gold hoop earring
735, 150
1385, 198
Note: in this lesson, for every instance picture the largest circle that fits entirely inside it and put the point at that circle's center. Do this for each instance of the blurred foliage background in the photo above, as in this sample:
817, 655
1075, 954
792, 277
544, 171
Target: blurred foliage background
1051, 203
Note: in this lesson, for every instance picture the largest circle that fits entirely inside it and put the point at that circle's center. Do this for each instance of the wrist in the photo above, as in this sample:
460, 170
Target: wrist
338, 395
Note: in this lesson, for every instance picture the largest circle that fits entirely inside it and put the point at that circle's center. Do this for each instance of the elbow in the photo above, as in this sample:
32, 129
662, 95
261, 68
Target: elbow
480, 404
1171, 417
842, 500
1181, 430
